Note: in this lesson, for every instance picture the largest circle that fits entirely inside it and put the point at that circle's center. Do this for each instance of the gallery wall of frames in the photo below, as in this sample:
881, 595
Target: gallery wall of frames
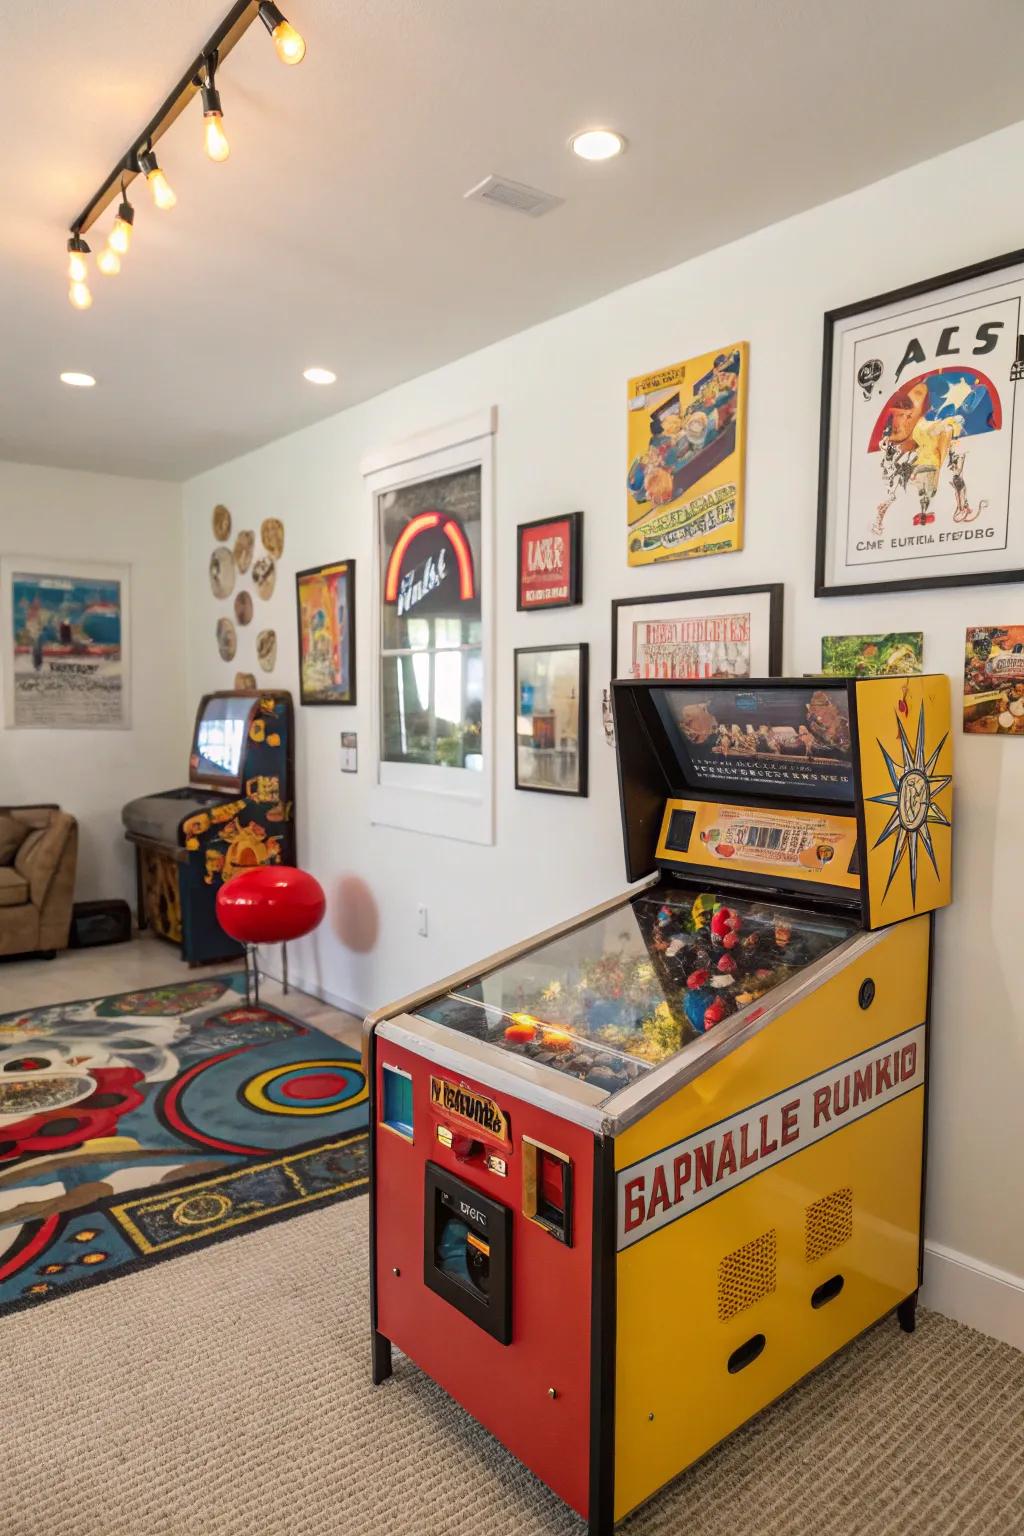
790, 457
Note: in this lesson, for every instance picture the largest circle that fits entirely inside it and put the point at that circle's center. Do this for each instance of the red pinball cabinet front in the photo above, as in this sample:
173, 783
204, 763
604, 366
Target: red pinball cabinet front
483, 1210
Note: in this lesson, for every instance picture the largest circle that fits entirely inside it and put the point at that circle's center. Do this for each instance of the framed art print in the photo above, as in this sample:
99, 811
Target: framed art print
732, 632
326, 603
920, 471
549, 562
685, 434
66, 644
551, 718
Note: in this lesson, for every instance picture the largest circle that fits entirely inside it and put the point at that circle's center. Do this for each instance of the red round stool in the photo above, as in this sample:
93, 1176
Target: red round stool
270, 905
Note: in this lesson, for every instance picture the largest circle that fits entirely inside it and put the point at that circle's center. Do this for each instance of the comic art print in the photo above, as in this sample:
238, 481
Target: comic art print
918, 469
684, 483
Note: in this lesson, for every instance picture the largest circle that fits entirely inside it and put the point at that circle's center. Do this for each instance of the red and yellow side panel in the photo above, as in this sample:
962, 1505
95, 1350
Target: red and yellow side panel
699, 1279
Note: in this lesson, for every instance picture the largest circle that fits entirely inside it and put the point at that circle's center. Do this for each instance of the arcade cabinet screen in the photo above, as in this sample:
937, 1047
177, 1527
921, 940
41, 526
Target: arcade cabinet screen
791, 741
217, 750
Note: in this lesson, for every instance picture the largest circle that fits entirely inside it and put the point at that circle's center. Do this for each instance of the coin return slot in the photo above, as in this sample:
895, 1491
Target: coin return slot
547, 1189
467, 1251
746, 1354
827, 1291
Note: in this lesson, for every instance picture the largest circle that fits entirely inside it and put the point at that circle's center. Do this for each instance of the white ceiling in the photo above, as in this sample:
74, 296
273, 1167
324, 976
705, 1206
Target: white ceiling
337, 234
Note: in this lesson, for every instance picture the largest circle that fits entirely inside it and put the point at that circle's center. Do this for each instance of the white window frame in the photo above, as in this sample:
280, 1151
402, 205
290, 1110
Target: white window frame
425, 797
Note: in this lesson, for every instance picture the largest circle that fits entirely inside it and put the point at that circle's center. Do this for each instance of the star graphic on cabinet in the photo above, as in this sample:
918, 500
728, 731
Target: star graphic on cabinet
915, 785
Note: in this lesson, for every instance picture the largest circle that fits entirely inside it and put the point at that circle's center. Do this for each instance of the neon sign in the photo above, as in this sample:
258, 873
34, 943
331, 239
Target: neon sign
407, 582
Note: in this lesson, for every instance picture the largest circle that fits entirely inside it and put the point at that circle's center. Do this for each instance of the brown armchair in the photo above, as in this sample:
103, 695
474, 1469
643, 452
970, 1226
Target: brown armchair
37, 886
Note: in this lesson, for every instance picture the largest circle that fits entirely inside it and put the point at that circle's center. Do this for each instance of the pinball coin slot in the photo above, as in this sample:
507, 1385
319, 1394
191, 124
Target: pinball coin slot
547, 1189
746, 1354
467, 1253
827, 1291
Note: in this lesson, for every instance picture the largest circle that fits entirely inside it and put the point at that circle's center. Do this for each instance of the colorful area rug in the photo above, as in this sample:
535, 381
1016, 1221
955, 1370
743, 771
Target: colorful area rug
142, 1125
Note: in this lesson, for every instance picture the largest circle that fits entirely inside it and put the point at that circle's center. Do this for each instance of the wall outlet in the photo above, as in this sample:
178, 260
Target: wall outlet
421, 922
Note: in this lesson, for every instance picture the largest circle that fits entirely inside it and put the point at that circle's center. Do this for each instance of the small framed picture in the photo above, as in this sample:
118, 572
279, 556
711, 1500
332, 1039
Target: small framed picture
919, 481
732, 632
326, 604
551, 718
549, 561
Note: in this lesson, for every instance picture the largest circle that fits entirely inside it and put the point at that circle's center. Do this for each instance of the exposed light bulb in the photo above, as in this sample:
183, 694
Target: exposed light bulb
79, 295
290, 45
163, 193
120, 237
77, 269
216, 140
108, 261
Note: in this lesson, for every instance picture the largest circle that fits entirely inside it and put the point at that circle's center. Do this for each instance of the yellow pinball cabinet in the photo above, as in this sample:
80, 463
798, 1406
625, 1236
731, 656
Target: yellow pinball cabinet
636, 1177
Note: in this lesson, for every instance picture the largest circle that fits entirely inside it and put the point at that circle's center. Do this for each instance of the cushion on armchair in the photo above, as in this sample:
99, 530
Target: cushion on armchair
13, 887
12, 834
40, 853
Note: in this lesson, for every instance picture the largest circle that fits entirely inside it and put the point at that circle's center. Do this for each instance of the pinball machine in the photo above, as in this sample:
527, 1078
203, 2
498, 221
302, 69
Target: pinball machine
634, 1178
236, 812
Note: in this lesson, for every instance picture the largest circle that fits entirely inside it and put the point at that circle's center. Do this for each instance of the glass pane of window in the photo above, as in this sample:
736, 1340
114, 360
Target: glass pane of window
430, 556
431, 708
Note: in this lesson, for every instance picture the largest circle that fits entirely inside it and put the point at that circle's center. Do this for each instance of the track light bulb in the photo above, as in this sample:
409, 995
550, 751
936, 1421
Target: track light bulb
79, 295
108, 261
163, 193
290, 45
215, 139
77, 249
120, 237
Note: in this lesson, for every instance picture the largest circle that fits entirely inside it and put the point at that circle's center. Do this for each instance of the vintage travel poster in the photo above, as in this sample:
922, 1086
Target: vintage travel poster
65, 645
994, 681
920, 473
686, 427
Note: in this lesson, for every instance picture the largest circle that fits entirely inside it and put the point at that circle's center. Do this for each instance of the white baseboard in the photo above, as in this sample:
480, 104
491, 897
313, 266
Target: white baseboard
972, 1292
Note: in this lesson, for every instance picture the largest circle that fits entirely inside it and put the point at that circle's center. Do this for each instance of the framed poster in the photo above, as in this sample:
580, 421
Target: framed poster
65, 627
551, 718
994, 680
685, 432
326, 604
896, 655
549, 562
919, 484
732, 632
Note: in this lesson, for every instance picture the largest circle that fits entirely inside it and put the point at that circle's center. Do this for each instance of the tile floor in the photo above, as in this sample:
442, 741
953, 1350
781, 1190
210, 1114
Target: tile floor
145, 961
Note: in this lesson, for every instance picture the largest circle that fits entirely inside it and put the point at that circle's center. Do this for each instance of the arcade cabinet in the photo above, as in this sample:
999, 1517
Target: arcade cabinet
635, 1177
236, 812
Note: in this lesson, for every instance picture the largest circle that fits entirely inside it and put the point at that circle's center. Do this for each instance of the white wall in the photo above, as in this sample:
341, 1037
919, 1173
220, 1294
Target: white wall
59, 513
560, 390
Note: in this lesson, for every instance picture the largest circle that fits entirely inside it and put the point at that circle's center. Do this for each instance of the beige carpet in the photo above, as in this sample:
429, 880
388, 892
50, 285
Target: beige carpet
226, 1393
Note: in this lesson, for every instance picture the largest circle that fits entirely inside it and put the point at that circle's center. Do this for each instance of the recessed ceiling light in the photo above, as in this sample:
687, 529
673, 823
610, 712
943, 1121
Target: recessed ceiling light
597, 144
319, 375
79, 380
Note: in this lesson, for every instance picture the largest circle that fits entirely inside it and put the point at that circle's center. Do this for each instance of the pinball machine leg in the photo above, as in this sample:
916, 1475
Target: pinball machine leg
381, 1348
907, 1313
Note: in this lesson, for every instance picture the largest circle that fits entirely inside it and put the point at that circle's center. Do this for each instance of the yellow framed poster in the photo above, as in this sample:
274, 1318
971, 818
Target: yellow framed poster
686, 428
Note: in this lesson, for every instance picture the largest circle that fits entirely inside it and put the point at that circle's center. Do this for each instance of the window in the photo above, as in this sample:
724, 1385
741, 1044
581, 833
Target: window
431, 629
430, 500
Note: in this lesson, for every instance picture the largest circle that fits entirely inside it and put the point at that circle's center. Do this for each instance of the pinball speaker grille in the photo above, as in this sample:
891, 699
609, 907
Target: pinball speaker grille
747, 1274
828, 1224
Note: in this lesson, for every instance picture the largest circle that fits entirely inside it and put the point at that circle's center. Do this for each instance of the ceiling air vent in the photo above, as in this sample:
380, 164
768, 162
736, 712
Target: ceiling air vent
513, 195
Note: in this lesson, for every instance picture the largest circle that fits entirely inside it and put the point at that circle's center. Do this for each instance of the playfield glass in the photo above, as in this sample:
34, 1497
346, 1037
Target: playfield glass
624, 992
